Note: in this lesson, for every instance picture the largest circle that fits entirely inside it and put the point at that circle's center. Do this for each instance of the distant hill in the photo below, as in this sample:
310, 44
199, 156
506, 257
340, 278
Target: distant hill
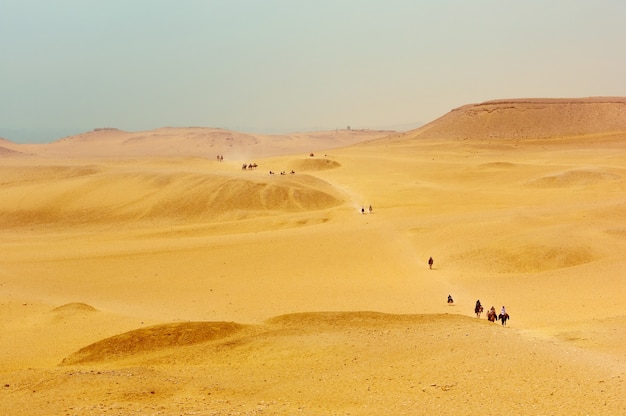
535, 118
195, 142
7, 148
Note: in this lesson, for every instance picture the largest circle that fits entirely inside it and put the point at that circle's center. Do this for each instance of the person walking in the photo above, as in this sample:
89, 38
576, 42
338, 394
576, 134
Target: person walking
430, 263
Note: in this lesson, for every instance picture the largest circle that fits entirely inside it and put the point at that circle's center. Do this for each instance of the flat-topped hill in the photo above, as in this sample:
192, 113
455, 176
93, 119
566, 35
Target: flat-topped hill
536, 118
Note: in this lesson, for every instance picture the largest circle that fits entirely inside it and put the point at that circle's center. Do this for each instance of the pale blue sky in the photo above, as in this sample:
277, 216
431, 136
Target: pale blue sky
69, 66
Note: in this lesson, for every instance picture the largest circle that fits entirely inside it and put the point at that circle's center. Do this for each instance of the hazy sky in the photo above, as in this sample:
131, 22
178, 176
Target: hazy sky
69, 66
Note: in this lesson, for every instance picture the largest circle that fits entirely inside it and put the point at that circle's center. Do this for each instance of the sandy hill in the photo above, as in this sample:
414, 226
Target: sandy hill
152, 284
529, 119
6, 152
6, 149
202, 142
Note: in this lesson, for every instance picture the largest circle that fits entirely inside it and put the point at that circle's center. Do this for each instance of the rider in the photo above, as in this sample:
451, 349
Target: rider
503, 311
450, 299
478, 306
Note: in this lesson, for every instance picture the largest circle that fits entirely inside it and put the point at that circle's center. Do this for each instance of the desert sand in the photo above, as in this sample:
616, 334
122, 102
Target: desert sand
140, 275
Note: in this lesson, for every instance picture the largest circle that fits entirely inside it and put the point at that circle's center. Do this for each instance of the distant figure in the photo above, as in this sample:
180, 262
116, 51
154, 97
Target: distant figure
478, 309
362, 210
450, 300
504, 316
292, 171
371, 209
491, 315
430, 263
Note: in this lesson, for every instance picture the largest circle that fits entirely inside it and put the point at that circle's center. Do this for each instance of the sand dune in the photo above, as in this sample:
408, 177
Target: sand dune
200, 142
157, 337
573, 178
166, 282
6, 149
319, 363
90, 195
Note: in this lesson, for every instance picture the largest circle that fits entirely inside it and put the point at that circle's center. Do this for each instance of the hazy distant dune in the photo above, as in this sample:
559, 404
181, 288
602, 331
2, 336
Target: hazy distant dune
203, 142
6, 152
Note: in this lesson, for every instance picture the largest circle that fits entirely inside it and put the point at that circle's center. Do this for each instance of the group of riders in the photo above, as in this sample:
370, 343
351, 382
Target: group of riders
491, 314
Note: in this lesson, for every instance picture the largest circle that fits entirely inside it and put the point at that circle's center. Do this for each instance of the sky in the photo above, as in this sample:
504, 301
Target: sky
279, 66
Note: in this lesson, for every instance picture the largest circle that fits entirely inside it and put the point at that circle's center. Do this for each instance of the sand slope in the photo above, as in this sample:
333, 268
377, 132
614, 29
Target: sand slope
183, 285
530, 119
321, 363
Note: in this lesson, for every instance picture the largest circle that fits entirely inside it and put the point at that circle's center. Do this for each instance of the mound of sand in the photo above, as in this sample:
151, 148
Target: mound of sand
526, 258
349, 362
497, 165
62, 196
570, 178
529, 119
314, 164
153, 338
74, 307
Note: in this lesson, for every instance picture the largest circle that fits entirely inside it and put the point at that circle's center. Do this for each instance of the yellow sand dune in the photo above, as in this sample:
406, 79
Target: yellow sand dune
173, 283
62, 196
353, 362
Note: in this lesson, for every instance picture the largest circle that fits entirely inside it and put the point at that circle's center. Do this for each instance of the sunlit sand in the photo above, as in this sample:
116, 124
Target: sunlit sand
141, 275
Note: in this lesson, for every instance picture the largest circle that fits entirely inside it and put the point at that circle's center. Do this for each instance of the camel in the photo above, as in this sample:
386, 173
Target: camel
478, 309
